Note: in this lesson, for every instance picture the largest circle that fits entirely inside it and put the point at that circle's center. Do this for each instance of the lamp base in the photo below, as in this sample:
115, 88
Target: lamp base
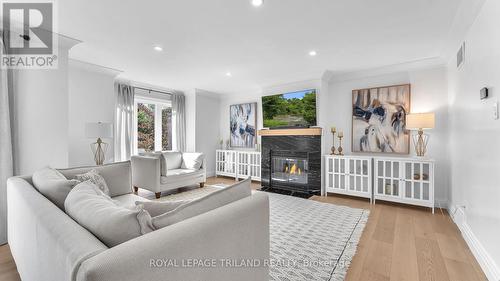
420, 141
99, 149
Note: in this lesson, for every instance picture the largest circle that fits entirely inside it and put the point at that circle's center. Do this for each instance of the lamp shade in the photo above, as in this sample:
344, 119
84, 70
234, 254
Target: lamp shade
99, 130
416, 121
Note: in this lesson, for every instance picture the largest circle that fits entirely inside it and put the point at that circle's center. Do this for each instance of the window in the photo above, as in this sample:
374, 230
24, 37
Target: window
153, 124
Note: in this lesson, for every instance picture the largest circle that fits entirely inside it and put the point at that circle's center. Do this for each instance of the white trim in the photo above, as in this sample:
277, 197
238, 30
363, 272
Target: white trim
487, 264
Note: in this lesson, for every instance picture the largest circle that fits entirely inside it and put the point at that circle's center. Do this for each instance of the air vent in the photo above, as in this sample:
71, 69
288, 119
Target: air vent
461, 55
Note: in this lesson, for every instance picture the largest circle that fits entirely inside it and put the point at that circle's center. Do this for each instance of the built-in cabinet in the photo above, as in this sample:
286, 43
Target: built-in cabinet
402, 180
238, 164
350, 175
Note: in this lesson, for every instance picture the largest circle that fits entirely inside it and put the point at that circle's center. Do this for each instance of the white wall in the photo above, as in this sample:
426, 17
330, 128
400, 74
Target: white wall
41, 115
207, 127
428, 94
91, 99
475, 136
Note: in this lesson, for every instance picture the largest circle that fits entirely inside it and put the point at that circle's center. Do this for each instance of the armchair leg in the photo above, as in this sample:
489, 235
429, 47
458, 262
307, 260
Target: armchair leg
157, 195
136, 189
202, 184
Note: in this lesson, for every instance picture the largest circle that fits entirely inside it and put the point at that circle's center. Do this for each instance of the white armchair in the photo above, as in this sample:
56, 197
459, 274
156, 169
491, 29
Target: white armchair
168, 170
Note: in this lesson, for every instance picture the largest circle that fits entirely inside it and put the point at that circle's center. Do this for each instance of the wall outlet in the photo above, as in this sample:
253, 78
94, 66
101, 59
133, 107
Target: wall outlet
495, 110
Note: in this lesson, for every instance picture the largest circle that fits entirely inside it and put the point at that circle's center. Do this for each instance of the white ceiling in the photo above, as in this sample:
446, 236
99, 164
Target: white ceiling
204, 39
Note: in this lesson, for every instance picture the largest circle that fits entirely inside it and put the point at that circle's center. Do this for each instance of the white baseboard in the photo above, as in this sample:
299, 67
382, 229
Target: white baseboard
487, 264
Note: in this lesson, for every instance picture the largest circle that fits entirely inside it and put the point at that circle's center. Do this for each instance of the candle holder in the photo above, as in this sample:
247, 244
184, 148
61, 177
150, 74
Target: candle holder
334, 151
340, 145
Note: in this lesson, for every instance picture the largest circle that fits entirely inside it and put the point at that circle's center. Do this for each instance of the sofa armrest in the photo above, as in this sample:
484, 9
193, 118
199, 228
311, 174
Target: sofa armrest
146, 172
219, 238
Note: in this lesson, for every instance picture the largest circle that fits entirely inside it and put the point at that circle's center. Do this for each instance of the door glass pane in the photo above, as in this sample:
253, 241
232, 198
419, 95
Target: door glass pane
330, 165
408, 173
365, 184
416, 172
425, 191
365, 167
408, 189
395, 169
380, 186
351, 166
425, 172
342, 165
416, 194
342, 182
336, 165
330, 180
388, 187
337, 181
395, 187
358, 183
166, 128
145, 127
351, 183
388, 169
358, 167
380, 168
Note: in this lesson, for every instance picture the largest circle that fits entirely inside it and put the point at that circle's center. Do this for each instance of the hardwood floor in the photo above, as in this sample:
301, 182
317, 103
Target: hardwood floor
399, 243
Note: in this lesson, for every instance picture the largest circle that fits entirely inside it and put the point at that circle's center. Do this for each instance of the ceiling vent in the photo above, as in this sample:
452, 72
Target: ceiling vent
461, 55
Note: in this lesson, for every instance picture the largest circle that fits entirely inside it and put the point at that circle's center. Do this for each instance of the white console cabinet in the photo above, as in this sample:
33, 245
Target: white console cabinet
238, 164
404, 180
350, 175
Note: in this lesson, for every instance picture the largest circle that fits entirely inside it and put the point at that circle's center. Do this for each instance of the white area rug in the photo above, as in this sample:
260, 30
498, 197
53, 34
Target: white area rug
310, 240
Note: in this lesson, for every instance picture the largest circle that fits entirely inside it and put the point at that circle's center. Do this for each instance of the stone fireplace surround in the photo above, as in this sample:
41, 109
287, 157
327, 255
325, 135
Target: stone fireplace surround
303, 145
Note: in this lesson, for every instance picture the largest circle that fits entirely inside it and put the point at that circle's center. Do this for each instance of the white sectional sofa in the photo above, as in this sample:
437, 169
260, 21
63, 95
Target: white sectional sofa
167, 170
48, 245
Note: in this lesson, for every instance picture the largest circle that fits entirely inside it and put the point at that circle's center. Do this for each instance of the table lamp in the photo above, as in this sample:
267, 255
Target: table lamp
99, 130
420, 122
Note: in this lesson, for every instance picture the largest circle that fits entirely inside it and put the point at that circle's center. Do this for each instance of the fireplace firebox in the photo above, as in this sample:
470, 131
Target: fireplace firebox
286, 168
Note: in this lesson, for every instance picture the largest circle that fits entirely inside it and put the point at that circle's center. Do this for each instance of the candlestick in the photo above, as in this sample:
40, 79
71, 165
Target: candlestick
333, 145
341, 134
340, 144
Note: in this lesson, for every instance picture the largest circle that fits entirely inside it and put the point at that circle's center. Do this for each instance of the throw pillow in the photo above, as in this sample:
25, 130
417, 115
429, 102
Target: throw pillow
109, 222
53, 185
94, 177
192, 160
202, 205
156, 208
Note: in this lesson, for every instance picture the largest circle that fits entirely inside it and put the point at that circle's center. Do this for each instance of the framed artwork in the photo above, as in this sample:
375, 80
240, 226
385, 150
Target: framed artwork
243, 124
378, 119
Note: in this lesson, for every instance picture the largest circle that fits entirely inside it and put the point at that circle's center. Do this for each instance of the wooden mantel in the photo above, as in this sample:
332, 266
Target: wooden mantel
291, 132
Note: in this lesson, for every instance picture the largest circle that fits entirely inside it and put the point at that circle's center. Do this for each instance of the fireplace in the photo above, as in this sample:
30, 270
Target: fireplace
286, 168
291, 163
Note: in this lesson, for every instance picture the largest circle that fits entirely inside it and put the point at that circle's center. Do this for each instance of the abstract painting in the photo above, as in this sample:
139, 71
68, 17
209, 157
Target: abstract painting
378, 119
243, 120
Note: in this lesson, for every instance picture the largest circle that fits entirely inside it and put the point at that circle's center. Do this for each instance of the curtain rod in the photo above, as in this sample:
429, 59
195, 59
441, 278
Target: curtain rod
151, 90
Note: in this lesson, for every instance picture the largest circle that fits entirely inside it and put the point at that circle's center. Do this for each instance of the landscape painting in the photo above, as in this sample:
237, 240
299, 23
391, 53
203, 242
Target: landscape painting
243, 120
290, 110
378, 119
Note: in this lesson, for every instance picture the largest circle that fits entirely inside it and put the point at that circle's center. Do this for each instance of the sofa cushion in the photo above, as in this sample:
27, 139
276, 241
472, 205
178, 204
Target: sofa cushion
99, 214
53, 185
118, 176
202, 205
176, 175
192, 160
129, 200
173, 159
159, 155
156, 208
94, 177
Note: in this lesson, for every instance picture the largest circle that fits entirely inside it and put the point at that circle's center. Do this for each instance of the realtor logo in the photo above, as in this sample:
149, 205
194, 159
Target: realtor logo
29, 37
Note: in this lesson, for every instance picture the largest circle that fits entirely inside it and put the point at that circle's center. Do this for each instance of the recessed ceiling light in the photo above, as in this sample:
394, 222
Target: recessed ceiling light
257, 3
158, 48
228, 74
312, 53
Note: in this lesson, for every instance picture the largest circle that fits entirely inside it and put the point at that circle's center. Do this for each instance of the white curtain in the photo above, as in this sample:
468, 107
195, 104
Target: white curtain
124, 121
179, 121
6, 159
